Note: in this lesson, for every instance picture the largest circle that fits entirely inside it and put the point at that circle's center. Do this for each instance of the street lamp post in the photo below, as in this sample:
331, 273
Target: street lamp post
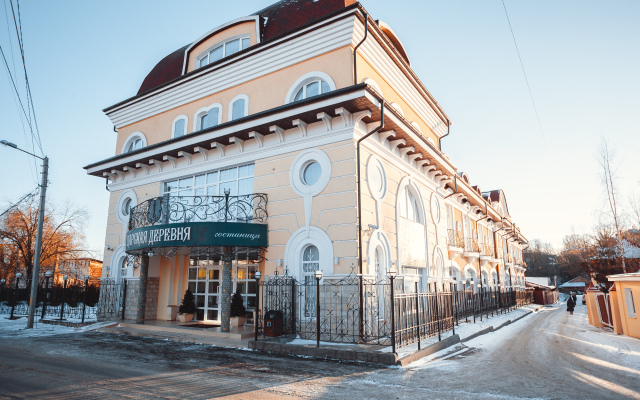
64, 290
318, 275
256, 314
2, 287
47, 276
15, 295
36, 259
84, 296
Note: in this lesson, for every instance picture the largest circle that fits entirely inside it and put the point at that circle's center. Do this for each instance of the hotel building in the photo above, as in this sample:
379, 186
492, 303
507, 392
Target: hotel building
292, 140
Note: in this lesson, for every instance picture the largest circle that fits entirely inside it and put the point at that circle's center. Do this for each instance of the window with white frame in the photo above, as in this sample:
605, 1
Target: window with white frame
313, 88
179, 126
124, 271
238, 109
238, 180
411, 207
222, 50
631, 307
310, 264
135, 144
208, 118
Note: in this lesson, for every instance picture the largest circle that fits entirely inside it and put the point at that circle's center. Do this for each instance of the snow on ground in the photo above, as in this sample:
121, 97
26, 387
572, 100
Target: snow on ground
18, 327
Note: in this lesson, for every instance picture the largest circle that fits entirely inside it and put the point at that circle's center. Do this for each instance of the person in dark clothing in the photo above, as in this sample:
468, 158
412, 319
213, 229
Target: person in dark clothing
575, 298
571, 304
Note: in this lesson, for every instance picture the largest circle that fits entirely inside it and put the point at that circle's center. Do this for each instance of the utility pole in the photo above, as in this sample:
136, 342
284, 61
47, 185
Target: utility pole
36, 258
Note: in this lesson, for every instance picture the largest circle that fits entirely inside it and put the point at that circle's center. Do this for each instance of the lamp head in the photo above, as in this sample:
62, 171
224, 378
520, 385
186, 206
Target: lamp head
65, 277
47, 274
318, 274
3, 281
18, 275
257, 275
391, 273
227, 191
86, 277
9, 144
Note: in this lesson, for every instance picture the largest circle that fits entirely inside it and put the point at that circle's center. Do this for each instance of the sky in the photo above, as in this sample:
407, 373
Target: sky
581, 58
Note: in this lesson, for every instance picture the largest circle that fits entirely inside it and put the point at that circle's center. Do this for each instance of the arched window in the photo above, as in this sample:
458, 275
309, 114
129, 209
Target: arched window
309, 85
310, 264
135, 141
222, 50
411, 207
124, 271
239, 107
313, 88
179, 126
208, 117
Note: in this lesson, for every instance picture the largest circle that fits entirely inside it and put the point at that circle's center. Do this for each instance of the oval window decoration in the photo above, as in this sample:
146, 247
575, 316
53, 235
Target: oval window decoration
376, 178
311, 173
435, 208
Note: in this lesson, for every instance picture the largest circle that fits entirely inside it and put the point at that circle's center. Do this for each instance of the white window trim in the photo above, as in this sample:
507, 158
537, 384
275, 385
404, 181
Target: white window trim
629, 301
114, 270
224, 50
298, 166
246, 105
205, 110
299, 241
173, 125
254, 18
306, 78
129, 194
131, 138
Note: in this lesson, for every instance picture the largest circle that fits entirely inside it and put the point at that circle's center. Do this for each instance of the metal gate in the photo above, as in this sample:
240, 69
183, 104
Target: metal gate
111, 302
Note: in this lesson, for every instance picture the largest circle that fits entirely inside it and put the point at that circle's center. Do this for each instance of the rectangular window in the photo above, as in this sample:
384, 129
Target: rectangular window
631, 307
216, 54
246, 42
231, 47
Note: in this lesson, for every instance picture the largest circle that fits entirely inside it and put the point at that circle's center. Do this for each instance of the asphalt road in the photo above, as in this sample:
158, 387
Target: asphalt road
544, 355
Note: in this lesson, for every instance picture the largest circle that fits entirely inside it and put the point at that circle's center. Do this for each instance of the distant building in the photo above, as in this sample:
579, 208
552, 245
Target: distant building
77, 268
576, 284
539, 280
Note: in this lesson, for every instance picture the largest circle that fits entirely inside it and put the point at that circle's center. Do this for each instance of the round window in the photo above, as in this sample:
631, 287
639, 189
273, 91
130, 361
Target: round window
311, 173
126, 206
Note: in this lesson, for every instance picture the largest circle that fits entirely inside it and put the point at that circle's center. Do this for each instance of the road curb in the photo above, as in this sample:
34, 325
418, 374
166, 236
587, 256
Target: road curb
434, 348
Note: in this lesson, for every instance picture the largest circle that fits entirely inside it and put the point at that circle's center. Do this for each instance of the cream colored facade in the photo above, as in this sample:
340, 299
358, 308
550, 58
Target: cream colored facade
420, 215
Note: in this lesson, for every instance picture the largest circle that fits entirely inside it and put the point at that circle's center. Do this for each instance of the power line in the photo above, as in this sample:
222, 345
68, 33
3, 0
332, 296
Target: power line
26, 196
524, 73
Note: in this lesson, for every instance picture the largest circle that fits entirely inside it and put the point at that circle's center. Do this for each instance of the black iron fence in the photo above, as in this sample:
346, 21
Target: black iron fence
358, 310
71, 300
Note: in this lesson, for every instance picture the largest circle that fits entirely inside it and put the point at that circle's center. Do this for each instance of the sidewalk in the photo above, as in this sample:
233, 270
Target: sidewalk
243, 338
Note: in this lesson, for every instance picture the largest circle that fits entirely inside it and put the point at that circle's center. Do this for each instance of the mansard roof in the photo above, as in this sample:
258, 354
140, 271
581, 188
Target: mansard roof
276, 20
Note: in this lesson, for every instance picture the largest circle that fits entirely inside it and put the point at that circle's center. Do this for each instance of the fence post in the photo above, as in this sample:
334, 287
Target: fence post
481, 299
318, 309
124, 296
393, 318
418, 315
437, 311
15, 295
84, 296
473, 298
453, 308
46, 294
293, 306
64, 292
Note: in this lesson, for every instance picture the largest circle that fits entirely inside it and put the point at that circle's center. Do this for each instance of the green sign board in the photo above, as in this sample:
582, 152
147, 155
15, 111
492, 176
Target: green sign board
198, 234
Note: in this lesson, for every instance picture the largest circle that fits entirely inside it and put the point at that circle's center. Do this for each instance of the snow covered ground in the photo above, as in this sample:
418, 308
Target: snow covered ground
18, 327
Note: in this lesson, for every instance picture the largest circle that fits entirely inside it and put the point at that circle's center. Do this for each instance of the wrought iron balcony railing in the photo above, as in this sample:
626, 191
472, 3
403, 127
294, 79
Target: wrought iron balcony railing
471, 245
455, 238
250, 208
486, 250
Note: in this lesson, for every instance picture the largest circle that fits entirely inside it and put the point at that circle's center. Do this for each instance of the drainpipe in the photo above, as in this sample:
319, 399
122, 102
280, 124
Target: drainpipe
447, 134
366, 32
361, 289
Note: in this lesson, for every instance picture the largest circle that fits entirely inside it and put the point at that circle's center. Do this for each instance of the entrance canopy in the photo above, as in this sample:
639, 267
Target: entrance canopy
208, 223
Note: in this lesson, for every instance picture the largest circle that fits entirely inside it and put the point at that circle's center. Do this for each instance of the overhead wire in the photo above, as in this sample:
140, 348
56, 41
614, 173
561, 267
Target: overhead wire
26, 196
535, 109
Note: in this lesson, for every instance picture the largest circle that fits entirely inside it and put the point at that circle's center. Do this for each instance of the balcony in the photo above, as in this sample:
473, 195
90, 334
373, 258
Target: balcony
455, 243
471, 249
508, 259
486, 252
189, 221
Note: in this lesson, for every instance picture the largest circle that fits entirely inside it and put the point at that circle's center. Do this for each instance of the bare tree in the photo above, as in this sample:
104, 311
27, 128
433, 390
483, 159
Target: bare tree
606, 158
62, 236
634, 206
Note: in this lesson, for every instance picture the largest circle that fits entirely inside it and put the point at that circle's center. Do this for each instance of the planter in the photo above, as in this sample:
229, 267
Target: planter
238, 321
185, 317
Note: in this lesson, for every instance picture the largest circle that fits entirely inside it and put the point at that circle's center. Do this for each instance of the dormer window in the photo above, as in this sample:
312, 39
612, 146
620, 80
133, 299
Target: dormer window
179, 126
134, 142
135, 145
222, 50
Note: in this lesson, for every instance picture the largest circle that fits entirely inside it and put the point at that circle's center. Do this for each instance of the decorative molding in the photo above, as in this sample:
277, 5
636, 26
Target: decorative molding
157, 163
171, 159
204, 152
395, 143
403, 151
385, 135
302, 125
129, 169
278, 131
120, 174
144, 167
186, 155
239, 143
221, 147
259, 138
326, 118
413, 157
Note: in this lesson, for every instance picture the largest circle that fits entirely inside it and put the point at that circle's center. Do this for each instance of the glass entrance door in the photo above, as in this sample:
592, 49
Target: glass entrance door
205, 279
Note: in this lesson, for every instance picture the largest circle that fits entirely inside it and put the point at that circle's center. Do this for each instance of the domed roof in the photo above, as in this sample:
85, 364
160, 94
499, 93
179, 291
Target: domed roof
277, 19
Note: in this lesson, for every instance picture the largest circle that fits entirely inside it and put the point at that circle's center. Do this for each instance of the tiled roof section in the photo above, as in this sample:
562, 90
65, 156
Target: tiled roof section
167, 69
287, 15
277, 19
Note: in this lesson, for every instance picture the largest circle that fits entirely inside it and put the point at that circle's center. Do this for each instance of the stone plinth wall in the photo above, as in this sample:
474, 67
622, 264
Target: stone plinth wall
131, 302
